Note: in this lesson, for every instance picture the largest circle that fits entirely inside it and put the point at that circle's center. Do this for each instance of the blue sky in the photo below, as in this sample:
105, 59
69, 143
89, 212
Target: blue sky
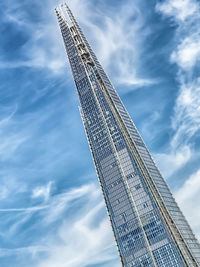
51, 208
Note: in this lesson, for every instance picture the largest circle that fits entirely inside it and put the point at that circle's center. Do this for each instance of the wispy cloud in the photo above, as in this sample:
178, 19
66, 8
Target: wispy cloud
9, 145
179, 10
41, 48
186, 55
22, 250
186, 120
60, 203
85, 236
119, 39
80, 238
42, 191
24, 209
175, 159
10, 141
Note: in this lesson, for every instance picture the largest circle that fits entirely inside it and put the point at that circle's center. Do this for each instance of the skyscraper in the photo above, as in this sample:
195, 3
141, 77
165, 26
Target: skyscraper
148, 226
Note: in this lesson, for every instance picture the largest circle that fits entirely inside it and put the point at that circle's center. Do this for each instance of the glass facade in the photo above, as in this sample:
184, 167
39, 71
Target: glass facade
149, 228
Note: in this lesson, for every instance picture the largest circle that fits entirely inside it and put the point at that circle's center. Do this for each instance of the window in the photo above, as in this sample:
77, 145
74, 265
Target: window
123, 216
138, 186
145, 205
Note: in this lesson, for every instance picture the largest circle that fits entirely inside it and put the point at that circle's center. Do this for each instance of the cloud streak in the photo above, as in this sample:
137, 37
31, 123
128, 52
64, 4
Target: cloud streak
24, 209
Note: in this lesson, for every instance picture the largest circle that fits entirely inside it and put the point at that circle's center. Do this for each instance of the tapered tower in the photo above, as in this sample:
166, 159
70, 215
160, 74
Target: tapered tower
148, 226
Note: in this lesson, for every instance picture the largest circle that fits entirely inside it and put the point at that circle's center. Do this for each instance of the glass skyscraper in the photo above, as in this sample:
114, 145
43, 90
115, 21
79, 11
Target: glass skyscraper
148, 226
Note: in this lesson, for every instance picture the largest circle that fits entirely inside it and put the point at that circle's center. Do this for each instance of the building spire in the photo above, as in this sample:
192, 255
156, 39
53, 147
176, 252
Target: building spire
149, 228
70, 15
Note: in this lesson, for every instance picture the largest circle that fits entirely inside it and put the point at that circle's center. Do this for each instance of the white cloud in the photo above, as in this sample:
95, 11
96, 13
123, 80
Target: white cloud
22, 250
29, 209
188, 197
44, 48
179, 9
186, 54
119, 39
42, 191
83, 235
80, 231
62, 201
186, 120
82, 242
171, 162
